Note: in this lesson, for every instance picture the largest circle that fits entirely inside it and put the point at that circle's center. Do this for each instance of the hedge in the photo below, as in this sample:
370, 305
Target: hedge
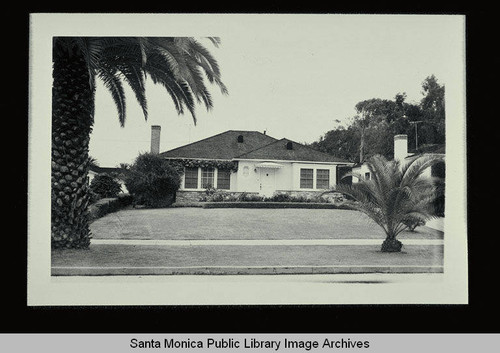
310, 205
109, 205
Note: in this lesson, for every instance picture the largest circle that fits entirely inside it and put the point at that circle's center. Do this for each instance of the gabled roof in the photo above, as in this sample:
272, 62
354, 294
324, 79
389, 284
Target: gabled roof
278, 150
221, 146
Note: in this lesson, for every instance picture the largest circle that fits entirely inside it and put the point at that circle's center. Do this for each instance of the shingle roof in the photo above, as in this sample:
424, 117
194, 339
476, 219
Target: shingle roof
222, 146
278, 151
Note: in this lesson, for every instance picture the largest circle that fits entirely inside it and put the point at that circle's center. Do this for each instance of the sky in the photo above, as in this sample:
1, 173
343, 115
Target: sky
294, 76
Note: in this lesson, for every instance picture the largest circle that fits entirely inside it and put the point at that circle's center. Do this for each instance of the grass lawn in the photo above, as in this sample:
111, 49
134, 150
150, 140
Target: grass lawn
242, 224
255, 255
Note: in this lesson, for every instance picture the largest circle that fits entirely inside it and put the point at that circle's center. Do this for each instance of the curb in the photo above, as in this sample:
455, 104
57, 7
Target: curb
238, 270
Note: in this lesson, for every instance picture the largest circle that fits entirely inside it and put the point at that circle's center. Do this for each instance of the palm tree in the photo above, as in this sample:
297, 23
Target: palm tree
178, 64
395, 195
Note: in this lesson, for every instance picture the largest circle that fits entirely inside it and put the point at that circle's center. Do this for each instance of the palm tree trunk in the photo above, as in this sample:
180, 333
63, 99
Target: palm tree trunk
72, 120
391, 244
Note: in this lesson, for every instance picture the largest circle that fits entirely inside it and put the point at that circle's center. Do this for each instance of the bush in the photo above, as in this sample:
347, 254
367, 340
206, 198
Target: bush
152, 181
308, 205
218, 196
413, 223
104, 186
103, 207
249, 197
280, 197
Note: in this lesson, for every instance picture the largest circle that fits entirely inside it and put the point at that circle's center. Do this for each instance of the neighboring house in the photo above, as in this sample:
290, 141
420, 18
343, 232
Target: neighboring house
253, 162
401, 153
114, 172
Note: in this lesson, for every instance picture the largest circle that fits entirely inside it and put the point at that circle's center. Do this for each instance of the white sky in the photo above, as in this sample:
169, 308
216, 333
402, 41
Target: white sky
291, 75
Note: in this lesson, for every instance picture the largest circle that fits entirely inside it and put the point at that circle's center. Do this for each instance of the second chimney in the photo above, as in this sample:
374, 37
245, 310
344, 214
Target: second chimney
400, 148
155, 138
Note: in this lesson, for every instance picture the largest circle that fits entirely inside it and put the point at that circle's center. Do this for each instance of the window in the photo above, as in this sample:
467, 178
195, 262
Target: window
223, 179
191, 178
322, 179
207, 178
367, 176
306, 178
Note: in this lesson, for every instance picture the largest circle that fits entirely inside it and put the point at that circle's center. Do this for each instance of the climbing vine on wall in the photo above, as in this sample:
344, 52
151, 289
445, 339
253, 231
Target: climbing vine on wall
207, 163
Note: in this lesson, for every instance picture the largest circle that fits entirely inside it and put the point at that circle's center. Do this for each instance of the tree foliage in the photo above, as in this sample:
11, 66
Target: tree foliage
152, 180
105, 185
370, 132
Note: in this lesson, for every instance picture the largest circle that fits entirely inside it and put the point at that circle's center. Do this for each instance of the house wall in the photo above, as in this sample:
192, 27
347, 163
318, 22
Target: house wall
287, 178
248, 177
362, 169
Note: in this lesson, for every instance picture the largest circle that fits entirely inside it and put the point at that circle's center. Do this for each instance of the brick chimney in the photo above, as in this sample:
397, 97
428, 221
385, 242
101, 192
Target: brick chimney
400, 148
155, 138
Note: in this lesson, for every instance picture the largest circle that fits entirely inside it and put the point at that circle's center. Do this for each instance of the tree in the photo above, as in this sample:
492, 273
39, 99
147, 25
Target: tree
341, 142
395, 195
152, 180
178, 64
433, 111
105, 185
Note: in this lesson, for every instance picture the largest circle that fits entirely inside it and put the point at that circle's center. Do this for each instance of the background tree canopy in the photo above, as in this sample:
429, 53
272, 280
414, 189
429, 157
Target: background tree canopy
371, 130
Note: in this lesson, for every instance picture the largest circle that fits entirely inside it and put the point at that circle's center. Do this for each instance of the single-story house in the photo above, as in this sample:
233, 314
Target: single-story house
252, 162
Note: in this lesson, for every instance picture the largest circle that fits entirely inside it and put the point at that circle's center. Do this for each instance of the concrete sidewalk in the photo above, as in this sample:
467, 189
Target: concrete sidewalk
270, 242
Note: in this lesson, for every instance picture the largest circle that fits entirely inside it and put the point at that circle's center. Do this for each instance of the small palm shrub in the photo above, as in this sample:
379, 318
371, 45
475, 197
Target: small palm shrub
152, 181
412, 223
395, 196
104, 185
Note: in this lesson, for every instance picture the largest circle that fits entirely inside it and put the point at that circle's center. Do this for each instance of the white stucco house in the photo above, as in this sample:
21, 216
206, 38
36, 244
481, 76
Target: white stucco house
252, 162
402, 154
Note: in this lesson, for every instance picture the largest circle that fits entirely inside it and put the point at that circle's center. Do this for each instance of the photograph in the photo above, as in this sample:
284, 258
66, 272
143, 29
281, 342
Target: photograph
247, 159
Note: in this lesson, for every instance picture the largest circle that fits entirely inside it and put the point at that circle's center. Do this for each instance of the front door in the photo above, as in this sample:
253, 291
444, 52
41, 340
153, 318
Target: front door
267, 181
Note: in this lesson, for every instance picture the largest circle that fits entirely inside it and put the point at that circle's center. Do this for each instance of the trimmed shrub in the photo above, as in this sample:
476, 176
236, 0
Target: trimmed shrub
309, 205
109, 205
104, 185
152, 181
250, 197
279, 197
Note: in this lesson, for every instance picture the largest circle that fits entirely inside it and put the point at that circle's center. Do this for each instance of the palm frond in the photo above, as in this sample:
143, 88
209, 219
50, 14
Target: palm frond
178, 90
135, 78
413, 170
215, 41
113, 84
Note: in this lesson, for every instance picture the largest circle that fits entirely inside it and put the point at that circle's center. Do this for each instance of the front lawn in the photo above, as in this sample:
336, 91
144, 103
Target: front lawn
244, 224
